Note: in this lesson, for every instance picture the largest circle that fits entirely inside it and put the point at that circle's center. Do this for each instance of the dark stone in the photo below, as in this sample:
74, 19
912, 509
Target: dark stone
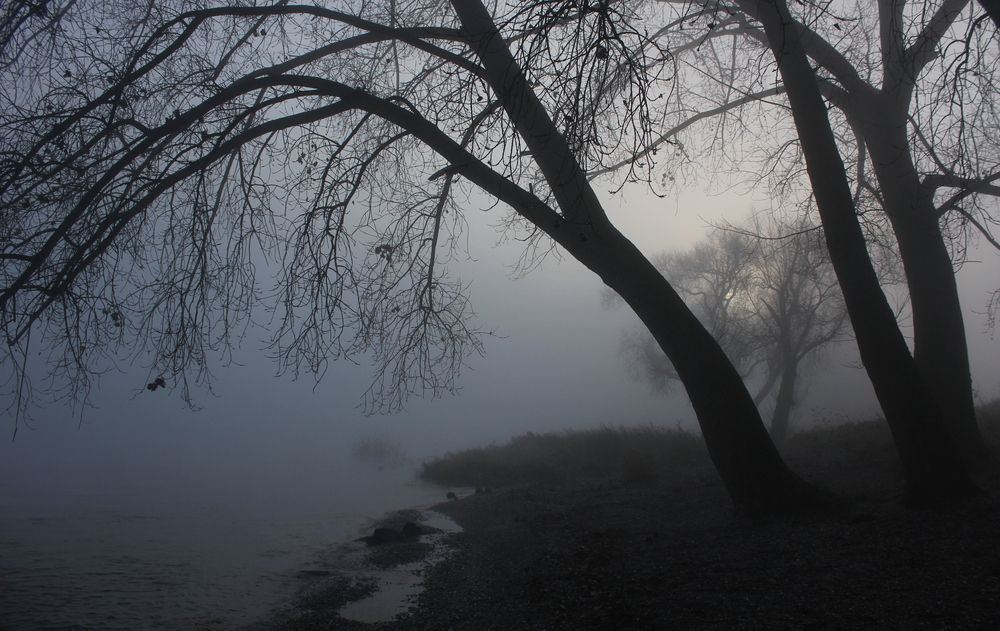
410, 529
383, 535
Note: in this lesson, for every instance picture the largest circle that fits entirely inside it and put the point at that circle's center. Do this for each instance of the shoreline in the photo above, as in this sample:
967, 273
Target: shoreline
604, 553
361, 585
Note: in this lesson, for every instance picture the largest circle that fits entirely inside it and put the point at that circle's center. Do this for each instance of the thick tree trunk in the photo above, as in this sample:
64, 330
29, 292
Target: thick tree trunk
940, 347
757, 478
934, 470
992, 7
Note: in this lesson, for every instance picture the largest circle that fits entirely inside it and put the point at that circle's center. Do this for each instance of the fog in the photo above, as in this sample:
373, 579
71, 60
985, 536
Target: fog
553, 364
266, 447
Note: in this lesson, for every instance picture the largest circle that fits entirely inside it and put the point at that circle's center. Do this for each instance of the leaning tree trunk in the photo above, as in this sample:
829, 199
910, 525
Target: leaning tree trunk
940, 347
935, 471
757, 478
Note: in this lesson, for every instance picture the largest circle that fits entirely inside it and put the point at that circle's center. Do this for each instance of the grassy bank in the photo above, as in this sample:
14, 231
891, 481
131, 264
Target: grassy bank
579, 552
638, 453
641, 453
989, 421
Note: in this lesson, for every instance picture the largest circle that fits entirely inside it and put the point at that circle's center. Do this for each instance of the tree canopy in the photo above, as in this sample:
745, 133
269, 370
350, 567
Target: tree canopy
159, 162
912, 93
159, 155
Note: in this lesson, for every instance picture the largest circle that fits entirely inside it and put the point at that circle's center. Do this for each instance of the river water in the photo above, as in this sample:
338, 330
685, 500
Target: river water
153, 553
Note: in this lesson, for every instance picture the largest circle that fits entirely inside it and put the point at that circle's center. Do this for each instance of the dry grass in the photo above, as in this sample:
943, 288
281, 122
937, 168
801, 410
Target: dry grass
989, 421
637, 453
861, 440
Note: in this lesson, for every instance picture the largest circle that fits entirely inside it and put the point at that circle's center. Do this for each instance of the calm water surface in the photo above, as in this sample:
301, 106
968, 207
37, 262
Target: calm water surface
158, 552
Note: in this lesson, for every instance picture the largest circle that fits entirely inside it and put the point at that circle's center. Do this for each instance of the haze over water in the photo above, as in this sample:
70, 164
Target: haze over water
148, 515
124, 545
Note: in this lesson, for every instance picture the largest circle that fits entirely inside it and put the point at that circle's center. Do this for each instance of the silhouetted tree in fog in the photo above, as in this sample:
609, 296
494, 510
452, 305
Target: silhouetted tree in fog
155, 156
714, 278
768, 294
913, 86
799, 306
948, 134
935, 471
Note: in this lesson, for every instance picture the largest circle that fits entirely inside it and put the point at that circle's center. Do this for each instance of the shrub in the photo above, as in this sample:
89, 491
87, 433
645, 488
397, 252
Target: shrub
868, 440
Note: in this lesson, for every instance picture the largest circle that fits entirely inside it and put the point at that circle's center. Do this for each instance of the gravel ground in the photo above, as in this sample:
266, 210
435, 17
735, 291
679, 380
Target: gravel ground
607, 554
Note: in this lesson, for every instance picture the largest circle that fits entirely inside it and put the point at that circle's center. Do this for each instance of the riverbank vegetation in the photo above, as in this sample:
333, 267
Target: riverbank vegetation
637, 452
640, 453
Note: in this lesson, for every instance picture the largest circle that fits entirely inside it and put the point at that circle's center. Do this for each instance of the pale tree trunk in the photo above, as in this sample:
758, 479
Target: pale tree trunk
756, 477
772, 378
935, 472
785, 399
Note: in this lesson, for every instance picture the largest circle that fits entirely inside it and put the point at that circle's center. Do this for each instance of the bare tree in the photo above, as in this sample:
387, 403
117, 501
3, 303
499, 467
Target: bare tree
914, 86
809, 146
931, 181
177, 152
768, 294
797, 301
933, 465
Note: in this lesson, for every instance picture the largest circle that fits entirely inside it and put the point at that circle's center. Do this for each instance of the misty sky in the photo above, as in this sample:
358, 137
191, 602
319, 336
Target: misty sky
556, 367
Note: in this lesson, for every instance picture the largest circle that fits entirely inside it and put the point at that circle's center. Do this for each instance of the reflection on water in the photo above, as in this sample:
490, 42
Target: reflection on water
148, 557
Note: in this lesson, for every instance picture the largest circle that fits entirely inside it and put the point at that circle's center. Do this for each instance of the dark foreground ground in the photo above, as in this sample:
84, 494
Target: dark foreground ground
606, 553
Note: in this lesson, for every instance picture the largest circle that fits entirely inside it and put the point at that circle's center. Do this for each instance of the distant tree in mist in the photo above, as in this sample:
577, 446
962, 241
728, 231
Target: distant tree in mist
768, 294
713, 278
